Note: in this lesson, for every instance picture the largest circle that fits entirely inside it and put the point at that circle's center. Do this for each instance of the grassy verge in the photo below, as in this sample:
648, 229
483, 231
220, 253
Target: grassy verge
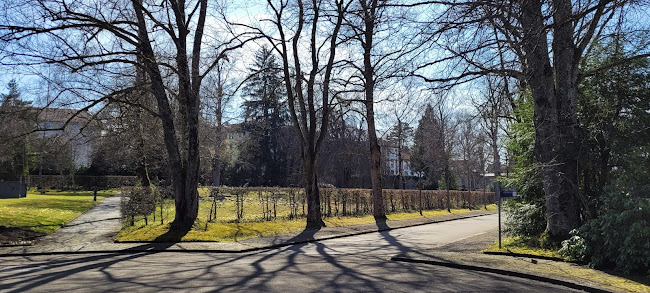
522, 245
228, 231
564, 270
45, 213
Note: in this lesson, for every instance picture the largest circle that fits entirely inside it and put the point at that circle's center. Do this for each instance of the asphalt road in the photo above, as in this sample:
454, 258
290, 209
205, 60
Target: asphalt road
352, 264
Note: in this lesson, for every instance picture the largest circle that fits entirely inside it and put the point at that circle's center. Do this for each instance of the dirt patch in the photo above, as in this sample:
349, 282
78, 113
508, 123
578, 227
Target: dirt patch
18, 236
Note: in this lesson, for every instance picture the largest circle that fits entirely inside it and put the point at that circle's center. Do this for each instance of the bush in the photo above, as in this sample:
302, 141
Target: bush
524, 219
574, 248
620, 236
138, 201
526, 214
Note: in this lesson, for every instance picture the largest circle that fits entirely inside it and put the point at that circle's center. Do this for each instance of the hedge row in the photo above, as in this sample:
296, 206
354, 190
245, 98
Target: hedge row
81, 181
271, 203
238, 204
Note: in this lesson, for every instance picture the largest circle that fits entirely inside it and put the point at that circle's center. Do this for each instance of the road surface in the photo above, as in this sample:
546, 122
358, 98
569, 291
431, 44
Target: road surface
351, 264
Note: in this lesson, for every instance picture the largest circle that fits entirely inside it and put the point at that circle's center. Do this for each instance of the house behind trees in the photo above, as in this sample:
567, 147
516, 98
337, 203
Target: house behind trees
68, 128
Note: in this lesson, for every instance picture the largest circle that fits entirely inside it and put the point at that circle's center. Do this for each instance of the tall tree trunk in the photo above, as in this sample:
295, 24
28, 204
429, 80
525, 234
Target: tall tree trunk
310, 131
554, 91
399, 154
141, 170
370, 7
183, 167
216, 160
379, 211
314, 214
447, 182
216, 170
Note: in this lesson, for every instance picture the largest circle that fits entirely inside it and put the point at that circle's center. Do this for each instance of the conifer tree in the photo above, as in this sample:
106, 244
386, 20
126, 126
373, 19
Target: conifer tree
265, 116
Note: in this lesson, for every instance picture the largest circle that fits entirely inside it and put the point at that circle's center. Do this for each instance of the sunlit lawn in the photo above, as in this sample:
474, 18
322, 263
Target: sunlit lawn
47, 212
226, 227
521, 245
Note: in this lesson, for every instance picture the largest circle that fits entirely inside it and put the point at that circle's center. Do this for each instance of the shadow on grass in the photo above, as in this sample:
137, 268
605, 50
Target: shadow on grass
174, 234
638, 277
13, 235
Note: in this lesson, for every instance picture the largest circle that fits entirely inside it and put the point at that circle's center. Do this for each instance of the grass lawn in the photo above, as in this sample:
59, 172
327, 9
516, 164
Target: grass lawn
521, 245
44, 213
227, 230
558, 269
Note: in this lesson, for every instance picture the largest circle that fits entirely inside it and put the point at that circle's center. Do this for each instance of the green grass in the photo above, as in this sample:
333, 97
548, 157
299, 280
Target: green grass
47, 212
522, 245
227, 229
555, 269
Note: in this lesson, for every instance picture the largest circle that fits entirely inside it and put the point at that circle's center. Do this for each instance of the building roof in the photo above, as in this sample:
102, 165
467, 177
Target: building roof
63, 115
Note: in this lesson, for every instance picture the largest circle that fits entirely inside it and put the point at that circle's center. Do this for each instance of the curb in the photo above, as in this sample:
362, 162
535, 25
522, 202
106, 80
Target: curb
526, 255
247, 250
501, 272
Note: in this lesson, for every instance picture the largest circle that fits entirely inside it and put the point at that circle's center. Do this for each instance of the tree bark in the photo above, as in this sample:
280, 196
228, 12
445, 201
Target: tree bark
554, 91
314, 214
310, 130
379, 211
399, 154
369, 18
216, 160
184, 165
141, 170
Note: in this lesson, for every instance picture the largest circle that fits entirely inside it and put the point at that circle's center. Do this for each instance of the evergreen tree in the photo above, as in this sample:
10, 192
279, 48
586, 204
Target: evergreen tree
12, 97
265, 117
614, 113
427, 152
16, 120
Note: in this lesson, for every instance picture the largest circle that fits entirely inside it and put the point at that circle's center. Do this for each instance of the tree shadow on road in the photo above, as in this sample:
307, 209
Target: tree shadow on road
384, 231
320, 266
306, 235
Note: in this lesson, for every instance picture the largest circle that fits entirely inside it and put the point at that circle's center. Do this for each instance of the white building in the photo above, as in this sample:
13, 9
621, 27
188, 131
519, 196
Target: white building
69, 126
391, 160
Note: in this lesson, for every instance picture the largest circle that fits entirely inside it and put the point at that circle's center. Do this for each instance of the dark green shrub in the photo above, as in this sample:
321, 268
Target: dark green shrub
620, 236
574, 248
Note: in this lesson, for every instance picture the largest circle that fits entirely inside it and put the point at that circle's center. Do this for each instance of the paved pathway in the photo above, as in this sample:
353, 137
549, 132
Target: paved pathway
96, 226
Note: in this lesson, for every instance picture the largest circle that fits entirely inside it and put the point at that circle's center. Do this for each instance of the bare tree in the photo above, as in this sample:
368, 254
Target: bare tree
219, 94
447, 136
94, 40
471, 147
387, 46
310, 117
493, 109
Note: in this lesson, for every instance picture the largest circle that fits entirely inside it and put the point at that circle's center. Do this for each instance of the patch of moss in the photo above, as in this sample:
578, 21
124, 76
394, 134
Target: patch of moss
522, 245
564, 270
